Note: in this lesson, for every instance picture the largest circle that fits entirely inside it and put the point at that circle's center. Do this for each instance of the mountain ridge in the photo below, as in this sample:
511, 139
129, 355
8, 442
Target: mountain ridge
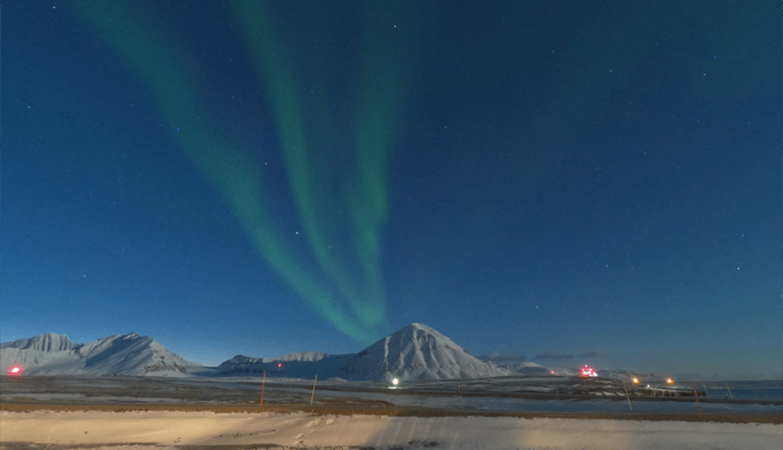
42, 342
414, 352
130, 354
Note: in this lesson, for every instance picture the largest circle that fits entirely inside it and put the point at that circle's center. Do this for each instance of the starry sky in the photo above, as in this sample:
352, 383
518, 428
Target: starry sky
575, 182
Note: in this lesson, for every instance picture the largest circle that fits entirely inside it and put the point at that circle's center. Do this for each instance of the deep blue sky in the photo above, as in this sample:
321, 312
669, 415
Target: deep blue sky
526, 178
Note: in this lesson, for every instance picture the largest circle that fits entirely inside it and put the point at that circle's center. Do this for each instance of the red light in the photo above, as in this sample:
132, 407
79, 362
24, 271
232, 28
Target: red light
552, 372
587, 371
15, 371
279, 364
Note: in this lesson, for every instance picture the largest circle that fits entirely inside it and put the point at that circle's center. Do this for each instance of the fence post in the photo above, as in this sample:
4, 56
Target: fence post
625, 386
263, 382
313, 394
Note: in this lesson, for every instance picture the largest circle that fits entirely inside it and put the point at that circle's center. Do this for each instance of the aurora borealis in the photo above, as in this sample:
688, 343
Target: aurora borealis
289, 176
351, 300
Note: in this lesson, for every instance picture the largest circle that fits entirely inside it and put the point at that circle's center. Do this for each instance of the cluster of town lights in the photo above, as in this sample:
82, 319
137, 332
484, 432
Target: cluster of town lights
587, 371
636, 380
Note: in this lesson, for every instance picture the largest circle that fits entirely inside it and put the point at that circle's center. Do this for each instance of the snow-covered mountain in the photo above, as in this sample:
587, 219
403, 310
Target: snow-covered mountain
529, 368
416, 352
503, 359
294, 365
45, 343
516, 364
131, 354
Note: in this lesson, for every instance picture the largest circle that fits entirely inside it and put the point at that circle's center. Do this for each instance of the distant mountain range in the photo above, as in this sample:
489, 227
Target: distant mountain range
416, 352
131, 354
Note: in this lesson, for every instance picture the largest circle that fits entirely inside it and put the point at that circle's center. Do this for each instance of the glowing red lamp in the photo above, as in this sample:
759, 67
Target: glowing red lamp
15, 371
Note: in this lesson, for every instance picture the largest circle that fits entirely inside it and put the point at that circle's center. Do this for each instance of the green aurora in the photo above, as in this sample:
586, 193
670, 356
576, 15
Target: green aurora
343, 231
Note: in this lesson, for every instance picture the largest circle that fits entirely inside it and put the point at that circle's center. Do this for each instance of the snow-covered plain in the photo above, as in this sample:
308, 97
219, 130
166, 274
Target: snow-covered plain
163, 430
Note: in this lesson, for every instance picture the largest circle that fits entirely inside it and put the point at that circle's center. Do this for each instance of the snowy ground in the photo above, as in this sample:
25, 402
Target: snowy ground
185, 430
181, 413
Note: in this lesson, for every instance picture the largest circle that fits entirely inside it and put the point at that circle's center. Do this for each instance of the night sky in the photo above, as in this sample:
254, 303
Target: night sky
576, 182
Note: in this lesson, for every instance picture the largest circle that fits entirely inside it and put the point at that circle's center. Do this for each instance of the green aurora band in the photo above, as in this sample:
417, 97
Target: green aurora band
355, 305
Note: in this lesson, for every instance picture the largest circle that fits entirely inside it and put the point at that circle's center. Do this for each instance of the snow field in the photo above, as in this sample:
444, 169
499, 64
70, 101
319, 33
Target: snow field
172, 429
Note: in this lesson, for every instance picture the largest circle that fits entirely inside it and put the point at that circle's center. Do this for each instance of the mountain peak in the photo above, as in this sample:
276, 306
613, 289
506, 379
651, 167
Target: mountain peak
50, 342
416, 352
131, 354
420, 333
419, 326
